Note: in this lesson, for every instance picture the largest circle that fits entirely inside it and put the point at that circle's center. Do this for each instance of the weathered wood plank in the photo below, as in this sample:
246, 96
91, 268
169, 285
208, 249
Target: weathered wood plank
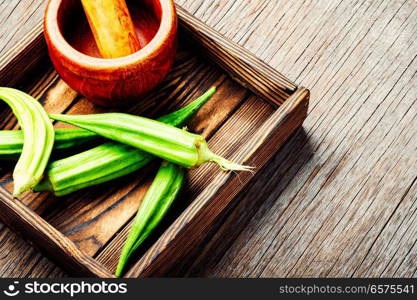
339, 198
317, 225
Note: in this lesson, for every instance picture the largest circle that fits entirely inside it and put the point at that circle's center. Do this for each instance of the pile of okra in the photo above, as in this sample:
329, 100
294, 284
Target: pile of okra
130, 143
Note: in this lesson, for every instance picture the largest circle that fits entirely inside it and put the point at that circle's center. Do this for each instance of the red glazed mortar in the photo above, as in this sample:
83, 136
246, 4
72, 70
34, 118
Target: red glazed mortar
116, 81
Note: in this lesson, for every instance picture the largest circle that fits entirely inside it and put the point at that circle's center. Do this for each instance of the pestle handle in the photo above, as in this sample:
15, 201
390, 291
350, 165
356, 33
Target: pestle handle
112, 27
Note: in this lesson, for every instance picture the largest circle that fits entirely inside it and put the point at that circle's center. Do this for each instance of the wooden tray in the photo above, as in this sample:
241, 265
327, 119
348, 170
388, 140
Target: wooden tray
254, 111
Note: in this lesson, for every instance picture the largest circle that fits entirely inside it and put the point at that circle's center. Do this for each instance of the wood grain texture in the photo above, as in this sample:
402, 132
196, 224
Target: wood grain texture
339, 198
237, 61
240, 126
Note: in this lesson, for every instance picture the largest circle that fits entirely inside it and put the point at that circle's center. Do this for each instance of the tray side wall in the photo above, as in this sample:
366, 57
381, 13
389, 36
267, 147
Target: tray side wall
23, 220
241, 65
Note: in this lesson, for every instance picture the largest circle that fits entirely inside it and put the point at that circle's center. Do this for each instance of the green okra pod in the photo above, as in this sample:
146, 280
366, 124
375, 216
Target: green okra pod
158, 199
109, 160
38, 138
165, 141
11, 141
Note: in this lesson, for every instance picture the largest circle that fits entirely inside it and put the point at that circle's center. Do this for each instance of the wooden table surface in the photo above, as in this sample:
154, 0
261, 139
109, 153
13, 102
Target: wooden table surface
339, 199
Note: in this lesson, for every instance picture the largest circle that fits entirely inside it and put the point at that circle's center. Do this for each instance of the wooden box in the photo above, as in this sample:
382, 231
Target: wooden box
254, 111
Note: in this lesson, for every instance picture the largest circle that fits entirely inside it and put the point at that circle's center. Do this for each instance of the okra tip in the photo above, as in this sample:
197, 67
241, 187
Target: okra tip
22, 183
120, 267
210, 92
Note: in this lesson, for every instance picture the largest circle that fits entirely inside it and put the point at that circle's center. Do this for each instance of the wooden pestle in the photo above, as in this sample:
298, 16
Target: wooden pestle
112, 27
